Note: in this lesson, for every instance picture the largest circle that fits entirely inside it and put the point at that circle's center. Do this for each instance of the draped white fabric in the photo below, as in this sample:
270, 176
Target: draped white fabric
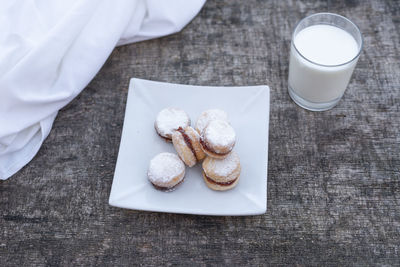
51, 49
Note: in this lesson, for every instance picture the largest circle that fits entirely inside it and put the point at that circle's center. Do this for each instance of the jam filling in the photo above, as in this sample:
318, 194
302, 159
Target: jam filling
204, 144
188, 141
166, 189
168, 140
219, 183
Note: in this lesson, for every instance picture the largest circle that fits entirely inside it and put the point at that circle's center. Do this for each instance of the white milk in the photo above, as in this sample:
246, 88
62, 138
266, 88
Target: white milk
326, 45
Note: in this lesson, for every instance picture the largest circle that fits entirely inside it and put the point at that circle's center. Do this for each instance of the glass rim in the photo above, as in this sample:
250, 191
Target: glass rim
336, 15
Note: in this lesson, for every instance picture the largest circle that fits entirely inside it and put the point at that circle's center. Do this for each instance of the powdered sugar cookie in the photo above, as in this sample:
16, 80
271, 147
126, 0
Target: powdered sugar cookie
166, 171
169, 120
210, 115
222, 174
187, 145
218, 139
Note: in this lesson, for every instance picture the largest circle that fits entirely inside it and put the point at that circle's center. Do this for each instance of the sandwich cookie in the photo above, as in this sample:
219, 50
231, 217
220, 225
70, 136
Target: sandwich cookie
166, 171
169, 120
210, 115
218, 139
222, 174
187, 143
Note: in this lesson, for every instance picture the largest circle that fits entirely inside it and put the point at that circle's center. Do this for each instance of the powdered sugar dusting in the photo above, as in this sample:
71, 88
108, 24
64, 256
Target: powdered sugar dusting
220, 133
164, 167
170, 119
210, 115
224, 167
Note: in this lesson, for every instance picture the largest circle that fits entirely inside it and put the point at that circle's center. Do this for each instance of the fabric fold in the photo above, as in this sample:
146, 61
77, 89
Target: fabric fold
51, 50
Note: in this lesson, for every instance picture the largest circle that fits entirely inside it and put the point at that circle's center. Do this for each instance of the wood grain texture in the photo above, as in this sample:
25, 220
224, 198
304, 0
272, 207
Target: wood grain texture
333, 177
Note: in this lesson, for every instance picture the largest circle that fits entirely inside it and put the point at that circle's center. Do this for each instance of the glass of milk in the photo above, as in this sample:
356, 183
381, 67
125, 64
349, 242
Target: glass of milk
324, 51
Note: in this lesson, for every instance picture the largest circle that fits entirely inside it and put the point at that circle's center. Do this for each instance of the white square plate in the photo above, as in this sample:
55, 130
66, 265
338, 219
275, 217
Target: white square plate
248, 111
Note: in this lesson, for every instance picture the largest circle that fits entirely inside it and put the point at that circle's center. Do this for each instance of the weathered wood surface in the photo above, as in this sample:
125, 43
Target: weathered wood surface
333, 178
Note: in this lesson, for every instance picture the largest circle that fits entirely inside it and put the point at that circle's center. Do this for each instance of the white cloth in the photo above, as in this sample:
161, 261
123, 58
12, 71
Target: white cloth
51, 49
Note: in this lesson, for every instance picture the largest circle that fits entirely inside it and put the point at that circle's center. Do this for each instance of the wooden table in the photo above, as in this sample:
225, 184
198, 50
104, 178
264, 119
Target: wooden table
333, 177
